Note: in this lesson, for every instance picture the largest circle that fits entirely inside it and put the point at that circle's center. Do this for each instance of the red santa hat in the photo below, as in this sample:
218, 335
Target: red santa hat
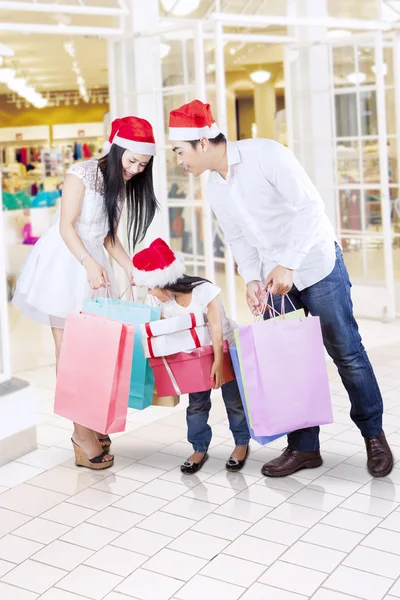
191, 122
157, 266
132, 133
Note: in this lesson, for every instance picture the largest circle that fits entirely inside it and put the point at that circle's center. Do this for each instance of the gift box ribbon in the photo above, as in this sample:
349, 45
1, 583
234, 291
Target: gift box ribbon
192, 331
150, 333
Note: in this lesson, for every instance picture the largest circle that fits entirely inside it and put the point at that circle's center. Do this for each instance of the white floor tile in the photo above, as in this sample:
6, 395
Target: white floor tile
392, 522
142, 541
332, 537
147, 585
160, 460
90, 536
116, 560
350, 473
324, 594
114, 484
10, 520
189, 481
46, 458
199, 544
358, 583
374, 561
167, 524
201, 587
140, 504
382, 489
15, 549
175, 564
139, 472
313, 557
179, 449
291, 484
264, 495
394, 591
164, 434
259, 591
163, 489
128, 447
56, 594
15, 473
351, 520
190, 508
63, 555
316, 499
383, 539
68, 514
340, 448
243, 510
276, 531
5, 567
91, 583
233, 570
297, 515
215, 494
220, 526
10, 592
48, 435
42, 531
30, 500
367, 504
94, 499
116, 519
255, 550
293, 578
34, 576
66, 481
336, 486
235, 481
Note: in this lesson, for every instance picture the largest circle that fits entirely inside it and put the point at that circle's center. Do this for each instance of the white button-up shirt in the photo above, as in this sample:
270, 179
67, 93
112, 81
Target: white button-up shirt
272, 214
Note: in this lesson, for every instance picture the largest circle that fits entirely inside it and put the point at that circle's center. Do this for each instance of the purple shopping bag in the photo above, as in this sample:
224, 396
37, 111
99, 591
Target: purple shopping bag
285, 369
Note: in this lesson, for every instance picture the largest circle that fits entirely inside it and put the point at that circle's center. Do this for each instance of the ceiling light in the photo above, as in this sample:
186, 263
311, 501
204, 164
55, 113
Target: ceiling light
357, 78
6, 75
18, 84
338, 33
232, 51
180, 8
260, 76
6, 51
80, 80
164, 50
385, 69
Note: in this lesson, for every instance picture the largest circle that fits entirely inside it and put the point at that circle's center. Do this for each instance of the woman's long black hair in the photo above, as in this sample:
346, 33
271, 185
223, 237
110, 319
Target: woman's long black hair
141, 201
185, 284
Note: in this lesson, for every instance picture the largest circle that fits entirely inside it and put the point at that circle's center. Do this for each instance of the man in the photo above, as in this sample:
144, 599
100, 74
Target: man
275, 222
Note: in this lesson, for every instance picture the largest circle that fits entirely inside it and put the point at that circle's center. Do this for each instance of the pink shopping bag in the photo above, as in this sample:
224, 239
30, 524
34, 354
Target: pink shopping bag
285, 369
94, 372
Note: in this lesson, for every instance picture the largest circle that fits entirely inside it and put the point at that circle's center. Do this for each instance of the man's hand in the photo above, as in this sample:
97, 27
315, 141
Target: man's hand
280, 280
255, 296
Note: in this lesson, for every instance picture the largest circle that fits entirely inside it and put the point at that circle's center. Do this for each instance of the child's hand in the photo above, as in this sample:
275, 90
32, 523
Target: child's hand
217, 374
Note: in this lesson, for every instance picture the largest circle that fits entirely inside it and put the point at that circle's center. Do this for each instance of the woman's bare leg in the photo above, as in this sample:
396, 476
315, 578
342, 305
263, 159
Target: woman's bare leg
84, 437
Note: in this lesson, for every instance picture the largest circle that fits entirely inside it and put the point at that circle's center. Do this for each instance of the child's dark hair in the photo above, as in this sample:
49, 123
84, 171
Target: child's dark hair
185, 284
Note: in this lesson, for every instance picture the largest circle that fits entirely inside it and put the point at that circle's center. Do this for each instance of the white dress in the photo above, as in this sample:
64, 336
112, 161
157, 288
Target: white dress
202, 295
53, 283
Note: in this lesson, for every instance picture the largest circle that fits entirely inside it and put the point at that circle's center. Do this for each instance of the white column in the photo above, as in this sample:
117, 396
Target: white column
311, 101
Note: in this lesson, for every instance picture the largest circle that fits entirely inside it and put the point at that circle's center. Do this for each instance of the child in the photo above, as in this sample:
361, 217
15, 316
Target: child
158, 269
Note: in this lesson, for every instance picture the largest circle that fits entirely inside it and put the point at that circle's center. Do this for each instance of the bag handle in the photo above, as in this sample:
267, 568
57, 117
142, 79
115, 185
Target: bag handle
171, 376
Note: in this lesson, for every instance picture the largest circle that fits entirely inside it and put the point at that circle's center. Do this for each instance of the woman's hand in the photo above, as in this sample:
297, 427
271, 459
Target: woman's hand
96, 274
217, 374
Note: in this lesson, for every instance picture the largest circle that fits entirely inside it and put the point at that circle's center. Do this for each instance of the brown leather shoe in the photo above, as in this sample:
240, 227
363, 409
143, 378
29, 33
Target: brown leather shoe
380, 459
291, 461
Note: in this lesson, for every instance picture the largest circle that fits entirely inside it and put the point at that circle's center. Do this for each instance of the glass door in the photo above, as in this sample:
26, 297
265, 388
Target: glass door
5, 361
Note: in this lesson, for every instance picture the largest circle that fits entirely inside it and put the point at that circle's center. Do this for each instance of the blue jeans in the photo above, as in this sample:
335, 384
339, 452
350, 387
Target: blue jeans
199, 431
330, 300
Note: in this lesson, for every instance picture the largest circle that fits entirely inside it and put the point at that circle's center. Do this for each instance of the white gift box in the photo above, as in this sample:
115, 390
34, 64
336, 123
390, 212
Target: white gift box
172, 324
180, 341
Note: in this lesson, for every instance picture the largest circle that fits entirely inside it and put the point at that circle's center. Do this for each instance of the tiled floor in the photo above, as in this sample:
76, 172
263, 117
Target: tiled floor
144, 531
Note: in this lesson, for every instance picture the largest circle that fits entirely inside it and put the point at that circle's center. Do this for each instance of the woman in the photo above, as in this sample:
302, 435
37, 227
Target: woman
69, 261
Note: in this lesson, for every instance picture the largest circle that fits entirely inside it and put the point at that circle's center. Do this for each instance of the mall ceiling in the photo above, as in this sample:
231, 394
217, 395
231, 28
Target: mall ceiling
48, 62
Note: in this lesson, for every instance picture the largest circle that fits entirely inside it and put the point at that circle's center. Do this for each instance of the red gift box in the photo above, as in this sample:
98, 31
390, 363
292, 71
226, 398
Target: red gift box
188, 372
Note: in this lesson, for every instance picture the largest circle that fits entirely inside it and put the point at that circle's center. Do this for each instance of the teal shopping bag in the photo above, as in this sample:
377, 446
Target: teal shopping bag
142, 378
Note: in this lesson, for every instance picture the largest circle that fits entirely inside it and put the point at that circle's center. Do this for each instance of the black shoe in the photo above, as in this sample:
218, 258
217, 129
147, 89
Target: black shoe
234, 464
190, 468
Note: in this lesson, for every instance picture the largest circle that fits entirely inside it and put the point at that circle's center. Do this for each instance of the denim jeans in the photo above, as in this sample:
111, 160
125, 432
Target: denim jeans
330, 300
199, 432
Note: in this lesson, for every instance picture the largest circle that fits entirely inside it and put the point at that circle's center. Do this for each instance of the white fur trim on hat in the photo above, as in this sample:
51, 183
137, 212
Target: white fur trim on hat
106, 147
159, 277
133, 146
188, 134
